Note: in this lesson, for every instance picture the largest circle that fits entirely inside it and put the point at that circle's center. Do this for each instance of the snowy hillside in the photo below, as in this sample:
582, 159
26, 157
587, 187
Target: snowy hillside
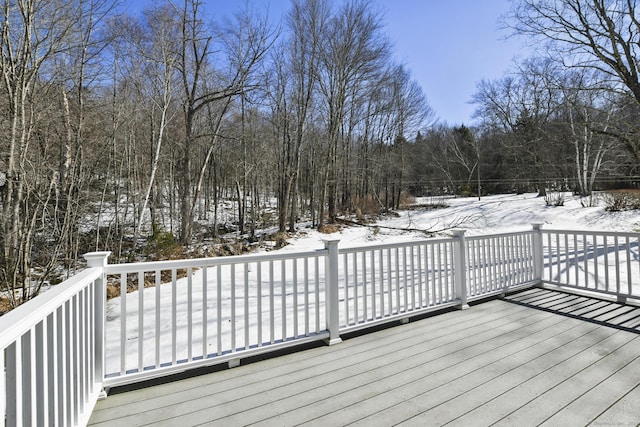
491, 214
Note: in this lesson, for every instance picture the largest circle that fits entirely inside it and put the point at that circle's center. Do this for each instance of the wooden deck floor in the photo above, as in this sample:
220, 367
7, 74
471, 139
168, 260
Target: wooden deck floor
536, 357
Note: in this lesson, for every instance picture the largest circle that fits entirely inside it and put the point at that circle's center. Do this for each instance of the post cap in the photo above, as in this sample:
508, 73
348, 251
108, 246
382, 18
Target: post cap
330, 240
97, 259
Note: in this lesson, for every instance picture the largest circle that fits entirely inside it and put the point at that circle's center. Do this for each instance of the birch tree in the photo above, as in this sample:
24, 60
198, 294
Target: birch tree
589, 110
154, 45
34, 37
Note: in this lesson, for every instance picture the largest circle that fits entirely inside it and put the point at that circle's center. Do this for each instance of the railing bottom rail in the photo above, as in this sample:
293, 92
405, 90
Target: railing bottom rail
231, 358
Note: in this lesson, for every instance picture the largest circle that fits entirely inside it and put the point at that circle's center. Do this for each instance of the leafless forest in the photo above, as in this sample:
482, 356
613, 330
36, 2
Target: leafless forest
154, 132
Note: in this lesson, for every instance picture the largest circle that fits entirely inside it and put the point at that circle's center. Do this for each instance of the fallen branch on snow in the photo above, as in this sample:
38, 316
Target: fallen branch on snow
430, 231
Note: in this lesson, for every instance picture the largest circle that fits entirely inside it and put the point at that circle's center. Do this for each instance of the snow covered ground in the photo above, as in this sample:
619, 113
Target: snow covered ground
492, 214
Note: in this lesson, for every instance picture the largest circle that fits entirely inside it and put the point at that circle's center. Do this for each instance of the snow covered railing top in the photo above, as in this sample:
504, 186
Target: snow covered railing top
61, 348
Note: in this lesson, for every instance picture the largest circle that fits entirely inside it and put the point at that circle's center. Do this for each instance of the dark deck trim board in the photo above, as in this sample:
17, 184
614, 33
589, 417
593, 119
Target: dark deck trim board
531, 358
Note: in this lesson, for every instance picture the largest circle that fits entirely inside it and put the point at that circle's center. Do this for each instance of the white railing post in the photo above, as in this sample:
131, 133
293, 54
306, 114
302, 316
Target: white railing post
538, 255
332, 299
99, 260
460, 268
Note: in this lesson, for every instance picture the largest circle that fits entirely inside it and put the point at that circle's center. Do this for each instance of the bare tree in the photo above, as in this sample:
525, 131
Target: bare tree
408, 112
296, 72
522, 104
244, 43
35, 36
154, 46
355, 51
589, 109
598, 34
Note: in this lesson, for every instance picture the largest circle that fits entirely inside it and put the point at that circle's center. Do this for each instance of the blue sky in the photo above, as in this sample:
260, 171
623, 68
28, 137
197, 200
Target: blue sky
449, 45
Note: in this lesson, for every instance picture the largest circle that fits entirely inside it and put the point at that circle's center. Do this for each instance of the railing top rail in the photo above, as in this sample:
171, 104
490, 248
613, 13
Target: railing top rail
396, 245
209, 262
22, 318
593, 232
494, 235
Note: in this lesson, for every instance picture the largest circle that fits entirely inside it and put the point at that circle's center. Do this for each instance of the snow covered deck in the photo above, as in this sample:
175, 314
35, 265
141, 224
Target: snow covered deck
537, 356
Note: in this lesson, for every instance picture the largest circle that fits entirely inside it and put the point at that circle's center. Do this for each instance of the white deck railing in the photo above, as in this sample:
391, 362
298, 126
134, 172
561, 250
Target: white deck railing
212, 308
378, 284
61, 349
386, 282
602, 262
51, 350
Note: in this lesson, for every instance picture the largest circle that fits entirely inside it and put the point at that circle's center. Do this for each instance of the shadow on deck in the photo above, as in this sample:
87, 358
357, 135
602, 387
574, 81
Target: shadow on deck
606, 313
534, 357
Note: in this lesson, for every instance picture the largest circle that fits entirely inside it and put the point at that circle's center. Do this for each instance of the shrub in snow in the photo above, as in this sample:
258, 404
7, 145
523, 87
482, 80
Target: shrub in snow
554, 198
622, 200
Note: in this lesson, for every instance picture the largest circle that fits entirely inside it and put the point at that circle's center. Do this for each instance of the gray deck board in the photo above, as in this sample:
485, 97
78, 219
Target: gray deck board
626, 411
529, 388
538, 356
440, 383
401, 377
